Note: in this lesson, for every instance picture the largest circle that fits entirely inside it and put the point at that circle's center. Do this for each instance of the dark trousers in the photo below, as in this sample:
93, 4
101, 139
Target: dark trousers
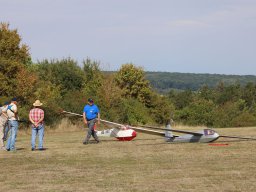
91, 131
6, 130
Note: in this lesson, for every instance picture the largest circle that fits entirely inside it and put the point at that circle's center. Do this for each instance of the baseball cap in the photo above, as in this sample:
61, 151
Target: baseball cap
6, 102
14, 99
90, 100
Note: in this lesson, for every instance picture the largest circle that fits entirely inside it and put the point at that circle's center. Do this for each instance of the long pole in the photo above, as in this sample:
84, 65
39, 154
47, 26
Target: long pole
105, 121
235, 137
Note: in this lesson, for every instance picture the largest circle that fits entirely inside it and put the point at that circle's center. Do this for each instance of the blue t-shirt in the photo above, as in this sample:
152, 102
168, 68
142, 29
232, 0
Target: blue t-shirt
91, 111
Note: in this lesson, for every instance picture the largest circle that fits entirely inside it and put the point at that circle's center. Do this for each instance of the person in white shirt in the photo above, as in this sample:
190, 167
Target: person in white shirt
12, 113
6, 130
3, 120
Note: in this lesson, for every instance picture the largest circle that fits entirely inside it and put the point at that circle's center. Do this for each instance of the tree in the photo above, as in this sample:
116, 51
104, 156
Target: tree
206, 93
11, 47
199, 112
131, 80
93, 77
161, 109
227, 93
8, 76
16, 79
25, 85
133, 112
183, 99
50, 95
109, 98
64, 73
249, 94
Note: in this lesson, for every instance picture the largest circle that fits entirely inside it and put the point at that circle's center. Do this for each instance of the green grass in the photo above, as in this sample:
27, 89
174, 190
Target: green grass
144, 164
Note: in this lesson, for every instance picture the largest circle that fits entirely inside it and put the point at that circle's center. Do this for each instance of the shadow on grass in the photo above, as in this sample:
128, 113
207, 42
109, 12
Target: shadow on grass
24, 149
116, 140
20, 149
43, 149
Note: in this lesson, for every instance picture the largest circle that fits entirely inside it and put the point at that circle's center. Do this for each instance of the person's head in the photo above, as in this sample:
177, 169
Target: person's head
37, 103
90, 101
14, 100
6, 103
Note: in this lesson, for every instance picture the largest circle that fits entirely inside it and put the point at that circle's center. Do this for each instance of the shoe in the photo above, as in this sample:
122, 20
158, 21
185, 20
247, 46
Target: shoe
41, 149
32, 149
7, 149
85, 142
3, 148
97, 142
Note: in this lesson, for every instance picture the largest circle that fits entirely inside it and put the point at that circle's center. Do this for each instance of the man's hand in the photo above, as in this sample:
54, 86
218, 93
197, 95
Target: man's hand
35, 124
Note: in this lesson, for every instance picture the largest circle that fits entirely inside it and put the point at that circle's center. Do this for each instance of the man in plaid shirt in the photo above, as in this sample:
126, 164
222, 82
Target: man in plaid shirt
36, 117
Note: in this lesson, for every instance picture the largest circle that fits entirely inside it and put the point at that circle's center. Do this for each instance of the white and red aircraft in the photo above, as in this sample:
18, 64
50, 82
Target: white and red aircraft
119, 131
127, 133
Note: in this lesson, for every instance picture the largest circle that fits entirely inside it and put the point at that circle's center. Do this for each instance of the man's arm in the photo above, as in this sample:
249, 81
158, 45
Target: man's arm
4, 112
14, 109
84, 118
41, 118
31, 120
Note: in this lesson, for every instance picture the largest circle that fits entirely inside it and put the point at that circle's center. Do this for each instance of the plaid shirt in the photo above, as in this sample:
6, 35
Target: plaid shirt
36, 114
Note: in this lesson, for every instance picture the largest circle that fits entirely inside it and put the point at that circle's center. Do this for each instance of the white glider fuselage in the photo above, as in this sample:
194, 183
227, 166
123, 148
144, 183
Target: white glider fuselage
208, 135
125, 134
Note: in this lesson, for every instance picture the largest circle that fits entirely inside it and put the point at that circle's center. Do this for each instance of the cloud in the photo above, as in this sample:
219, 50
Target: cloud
232, 15
181, 24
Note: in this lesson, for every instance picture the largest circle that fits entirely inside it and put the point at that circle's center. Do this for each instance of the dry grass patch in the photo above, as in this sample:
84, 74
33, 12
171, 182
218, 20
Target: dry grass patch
144, 164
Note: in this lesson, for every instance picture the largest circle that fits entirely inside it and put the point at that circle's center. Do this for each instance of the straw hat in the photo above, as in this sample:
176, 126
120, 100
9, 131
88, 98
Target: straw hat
37, 103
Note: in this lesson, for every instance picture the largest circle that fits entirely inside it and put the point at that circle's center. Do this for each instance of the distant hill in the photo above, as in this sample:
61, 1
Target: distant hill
165, 81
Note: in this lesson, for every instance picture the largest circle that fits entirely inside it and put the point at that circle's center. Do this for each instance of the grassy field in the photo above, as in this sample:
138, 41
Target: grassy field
144, 164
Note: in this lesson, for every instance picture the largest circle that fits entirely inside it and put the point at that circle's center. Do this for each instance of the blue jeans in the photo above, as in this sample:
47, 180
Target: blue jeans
40, 131
13, 125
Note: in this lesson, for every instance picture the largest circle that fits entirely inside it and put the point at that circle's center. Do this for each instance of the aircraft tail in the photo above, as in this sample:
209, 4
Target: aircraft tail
168, 134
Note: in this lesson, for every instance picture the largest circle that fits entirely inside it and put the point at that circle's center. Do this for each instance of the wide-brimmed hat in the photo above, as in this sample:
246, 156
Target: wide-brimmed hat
37, 103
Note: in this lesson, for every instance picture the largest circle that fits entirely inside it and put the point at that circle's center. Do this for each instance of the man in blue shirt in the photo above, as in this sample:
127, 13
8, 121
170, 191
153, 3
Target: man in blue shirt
90, 115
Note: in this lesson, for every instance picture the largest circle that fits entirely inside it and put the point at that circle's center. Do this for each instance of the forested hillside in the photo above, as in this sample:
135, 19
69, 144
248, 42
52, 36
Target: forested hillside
165, 81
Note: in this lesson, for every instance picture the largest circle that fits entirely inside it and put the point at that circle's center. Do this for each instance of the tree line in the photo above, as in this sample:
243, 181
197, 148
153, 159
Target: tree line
125, 96
163, 82
222, 106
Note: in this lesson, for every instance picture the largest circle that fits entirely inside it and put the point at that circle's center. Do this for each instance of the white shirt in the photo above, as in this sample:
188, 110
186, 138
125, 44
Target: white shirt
10, 114
3, 118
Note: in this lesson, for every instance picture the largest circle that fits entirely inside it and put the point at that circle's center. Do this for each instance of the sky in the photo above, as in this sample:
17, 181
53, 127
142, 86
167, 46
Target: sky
187, 36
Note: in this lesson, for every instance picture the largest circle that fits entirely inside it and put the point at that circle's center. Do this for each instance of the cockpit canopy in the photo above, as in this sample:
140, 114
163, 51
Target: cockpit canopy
209, 132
